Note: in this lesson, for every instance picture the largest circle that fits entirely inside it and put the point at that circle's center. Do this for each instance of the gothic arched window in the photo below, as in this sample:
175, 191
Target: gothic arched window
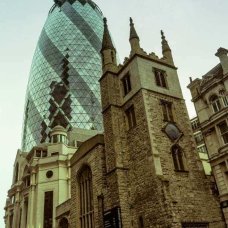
177, 155
86, 198
215, 103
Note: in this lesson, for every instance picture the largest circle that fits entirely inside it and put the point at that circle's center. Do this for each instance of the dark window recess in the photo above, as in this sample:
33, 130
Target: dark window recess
44, 154
224, 131
141, 222
160, 78
167, 111
55, 138
49, 174
112, 218
86, 199
224, 204
177, 155
126, 84
38, 153
48, 209
63, 223
55, 154
195, 225
130, 113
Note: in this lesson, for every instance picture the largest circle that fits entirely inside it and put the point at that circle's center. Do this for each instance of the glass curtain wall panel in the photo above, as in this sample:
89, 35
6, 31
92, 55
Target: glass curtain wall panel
63, 87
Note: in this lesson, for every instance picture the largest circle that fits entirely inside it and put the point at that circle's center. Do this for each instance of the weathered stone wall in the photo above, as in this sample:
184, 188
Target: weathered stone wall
189, 192
134, 168
96, 161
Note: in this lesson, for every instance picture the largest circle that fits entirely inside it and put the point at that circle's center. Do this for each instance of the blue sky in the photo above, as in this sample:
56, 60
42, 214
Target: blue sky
195, 29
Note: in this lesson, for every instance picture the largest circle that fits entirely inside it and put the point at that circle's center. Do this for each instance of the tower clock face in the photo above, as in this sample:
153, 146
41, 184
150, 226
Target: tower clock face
172, 131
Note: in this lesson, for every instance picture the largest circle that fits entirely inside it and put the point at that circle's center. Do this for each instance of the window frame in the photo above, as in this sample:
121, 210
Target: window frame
195, 124
224, 96
215, 103
199, 137
86, 199
178, 158
167, 111
126, 83
160, 77
225, 101
225, 133
202, 149
131, 117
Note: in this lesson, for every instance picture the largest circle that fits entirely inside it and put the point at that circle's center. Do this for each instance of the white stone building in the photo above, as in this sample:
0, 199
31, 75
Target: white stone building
41, 180
210, 98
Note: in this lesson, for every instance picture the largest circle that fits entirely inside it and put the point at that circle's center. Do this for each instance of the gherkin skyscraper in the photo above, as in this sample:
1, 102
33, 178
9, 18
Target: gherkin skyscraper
63, 87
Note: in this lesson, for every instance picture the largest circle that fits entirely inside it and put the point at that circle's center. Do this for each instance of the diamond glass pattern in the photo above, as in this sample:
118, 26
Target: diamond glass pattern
63, 87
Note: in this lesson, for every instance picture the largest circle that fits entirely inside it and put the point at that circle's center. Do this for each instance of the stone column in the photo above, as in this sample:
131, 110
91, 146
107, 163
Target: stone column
16, 214
32, 203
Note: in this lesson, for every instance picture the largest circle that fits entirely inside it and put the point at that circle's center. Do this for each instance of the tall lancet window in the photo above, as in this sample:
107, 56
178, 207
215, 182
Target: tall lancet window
86, 198
177, 155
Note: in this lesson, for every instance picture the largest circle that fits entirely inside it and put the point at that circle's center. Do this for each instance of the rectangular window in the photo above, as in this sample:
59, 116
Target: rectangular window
48, 209
215, 103
167, 111
195, 124
126, 83
199, 137
130, 113
225, 101
160, 78
202, 149
224, 131
195, 225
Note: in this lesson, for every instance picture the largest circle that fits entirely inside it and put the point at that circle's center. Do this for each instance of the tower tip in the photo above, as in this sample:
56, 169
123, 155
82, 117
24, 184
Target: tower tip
131, 21
105, 20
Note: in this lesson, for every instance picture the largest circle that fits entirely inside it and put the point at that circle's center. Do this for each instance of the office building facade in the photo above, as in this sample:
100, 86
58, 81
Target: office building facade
63, 87
210, 98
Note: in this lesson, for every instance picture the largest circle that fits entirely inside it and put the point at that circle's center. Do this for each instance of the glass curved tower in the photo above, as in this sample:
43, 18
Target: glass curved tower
63, 87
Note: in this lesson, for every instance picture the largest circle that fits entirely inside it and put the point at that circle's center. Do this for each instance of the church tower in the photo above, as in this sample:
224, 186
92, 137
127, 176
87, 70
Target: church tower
154, 175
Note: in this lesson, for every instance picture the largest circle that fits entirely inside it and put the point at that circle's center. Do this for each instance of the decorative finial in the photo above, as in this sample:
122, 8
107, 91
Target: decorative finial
107, 41
162, 34
166, 49
131, 21
105, 21
133, 33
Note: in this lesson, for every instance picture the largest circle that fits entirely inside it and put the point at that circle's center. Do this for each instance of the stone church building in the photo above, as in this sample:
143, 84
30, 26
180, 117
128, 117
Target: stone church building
142, 171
